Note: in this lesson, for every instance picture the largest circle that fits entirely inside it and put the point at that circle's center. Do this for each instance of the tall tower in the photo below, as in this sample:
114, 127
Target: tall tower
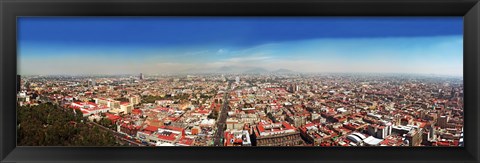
90, 83
141, 77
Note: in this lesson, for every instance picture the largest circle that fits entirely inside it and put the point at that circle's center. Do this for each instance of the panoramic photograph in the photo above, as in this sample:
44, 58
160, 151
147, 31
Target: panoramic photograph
240, 81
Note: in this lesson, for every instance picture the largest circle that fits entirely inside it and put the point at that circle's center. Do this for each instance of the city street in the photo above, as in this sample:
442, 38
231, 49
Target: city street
221, 120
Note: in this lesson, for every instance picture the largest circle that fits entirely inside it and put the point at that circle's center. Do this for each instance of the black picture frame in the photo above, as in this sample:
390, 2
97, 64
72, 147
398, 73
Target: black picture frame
11, 9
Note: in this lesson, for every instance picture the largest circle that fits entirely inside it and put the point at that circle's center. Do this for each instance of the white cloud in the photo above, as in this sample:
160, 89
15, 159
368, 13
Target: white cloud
222, 51
314, 56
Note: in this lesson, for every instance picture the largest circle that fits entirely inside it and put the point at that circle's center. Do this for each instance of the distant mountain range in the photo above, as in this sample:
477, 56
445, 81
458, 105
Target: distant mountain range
282, 70
257, 70
237, 69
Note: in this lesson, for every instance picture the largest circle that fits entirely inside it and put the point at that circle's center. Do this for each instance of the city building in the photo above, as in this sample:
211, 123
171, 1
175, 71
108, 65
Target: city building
276, 134
316, 134
237, 138
442, 121
126, 107
135, 99
414, 137
274, 109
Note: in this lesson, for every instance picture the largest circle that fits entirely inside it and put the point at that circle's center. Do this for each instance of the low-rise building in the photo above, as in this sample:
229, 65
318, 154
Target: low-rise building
276, 134
237, 138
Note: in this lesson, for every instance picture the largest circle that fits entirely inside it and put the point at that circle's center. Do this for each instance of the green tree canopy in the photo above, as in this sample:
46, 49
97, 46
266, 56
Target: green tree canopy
50, 125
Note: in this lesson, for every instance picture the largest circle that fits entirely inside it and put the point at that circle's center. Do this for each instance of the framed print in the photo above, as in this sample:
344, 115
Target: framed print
232, 81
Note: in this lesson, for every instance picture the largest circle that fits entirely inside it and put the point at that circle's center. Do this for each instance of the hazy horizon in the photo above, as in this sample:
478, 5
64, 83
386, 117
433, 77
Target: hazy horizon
108, 46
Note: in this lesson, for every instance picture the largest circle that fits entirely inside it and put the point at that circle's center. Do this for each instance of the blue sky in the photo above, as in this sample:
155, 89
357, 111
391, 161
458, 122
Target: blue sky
123, 45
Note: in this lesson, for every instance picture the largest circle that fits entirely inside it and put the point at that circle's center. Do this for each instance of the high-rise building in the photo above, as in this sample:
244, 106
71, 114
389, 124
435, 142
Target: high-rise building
126, 107
89, 82
134, 99
378, 131
431, 132
141, 77
237, 79
414, 137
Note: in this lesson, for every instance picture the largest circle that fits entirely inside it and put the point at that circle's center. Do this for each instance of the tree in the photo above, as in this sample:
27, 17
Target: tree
78, 115
47, 125
213, 115
106, 122
123, 99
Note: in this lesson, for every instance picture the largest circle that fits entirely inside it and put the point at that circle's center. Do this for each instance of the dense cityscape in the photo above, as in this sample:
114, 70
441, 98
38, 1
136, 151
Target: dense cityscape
280, 108
240, 81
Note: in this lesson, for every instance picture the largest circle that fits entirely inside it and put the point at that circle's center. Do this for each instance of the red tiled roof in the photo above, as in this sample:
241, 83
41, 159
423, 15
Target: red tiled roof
186, 141
112, 117
260, 128
173, 128
137, 111
202, 111
170, 137
287, 126
151, 128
